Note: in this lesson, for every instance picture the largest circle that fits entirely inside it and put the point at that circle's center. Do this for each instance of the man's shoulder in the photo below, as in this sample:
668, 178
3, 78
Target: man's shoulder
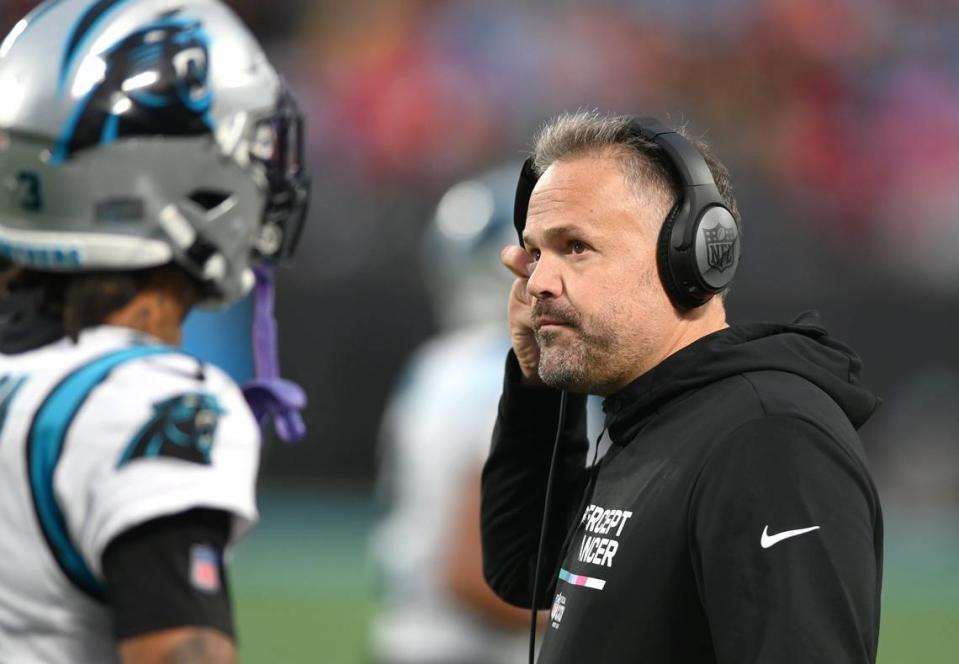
776, 409
765, 400
781, 394
113, 355
166, 381
120, 394
163, 368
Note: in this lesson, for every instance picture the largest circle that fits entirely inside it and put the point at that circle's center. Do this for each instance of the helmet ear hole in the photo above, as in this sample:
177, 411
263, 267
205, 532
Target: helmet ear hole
209, 199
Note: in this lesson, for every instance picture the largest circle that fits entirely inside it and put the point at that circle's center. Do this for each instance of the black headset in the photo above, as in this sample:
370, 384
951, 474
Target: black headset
700, 241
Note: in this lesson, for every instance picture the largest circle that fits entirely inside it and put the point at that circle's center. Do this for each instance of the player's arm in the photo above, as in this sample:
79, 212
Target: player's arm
786, 536
464, 575
186, 645
168, 591
514, 486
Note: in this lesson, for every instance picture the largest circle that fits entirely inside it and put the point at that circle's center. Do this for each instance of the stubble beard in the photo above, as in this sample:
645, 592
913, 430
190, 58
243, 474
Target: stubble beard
577, 358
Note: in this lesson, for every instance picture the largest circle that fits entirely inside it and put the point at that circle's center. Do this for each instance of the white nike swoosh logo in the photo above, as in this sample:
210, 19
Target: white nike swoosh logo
768, 540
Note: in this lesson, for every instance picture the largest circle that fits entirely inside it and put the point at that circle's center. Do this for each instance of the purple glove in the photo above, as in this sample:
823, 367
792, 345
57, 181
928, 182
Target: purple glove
269, 396
279, 400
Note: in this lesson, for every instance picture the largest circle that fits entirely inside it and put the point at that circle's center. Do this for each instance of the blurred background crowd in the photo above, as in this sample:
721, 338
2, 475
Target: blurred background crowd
839, 121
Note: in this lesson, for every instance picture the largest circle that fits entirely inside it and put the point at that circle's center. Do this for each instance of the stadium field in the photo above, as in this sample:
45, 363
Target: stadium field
305, 590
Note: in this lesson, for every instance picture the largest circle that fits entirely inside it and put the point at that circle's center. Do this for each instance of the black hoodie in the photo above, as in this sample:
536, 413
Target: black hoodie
733, 519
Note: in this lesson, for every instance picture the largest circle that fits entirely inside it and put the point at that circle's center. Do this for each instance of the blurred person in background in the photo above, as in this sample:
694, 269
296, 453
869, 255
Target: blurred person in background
152, 165
734, 518
435, 606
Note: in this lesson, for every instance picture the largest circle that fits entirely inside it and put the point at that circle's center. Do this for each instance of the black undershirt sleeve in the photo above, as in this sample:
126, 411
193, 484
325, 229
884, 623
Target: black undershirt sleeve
169, 573
514, 487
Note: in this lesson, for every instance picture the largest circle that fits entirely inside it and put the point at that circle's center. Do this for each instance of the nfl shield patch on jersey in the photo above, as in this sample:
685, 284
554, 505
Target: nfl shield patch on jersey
559, 608
205, 568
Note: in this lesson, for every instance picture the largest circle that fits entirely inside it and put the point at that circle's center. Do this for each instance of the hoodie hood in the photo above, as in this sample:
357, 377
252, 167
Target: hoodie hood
803, 348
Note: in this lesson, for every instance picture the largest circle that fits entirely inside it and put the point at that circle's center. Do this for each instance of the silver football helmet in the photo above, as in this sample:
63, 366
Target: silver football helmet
134, 133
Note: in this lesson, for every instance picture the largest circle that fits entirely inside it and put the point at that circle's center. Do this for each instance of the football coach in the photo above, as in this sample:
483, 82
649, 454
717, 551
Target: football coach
733, 519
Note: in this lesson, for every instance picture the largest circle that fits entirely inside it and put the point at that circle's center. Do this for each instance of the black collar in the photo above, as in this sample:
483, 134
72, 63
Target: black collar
24, 323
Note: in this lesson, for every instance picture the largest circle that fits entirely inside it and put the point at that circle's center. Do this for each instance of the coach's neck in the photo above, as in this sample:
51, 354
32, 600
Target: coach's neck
685, 328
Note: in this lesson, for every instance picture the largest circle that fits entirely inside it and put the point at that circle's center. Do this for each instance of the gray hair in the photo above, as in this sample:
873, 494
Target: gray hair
645, 165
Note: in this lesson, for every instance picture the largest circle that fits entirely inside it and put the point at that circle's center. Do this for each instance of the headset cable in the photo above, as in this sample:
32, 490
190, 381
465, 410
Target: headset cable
542, 532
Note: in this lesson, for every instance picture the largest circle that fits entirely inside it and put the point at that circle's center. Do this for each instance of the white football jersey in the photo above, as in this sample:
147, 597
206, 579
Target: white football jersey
97, 437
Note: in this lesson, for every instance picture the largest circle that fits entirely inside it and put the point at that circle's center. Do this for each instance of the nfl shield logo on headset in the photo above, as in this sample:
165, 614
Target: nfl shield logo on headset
720, 246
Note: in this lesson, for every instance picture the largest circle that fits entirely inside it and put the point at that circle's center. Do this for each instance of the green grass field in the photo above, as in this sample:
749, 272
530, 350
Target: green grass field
304, 590
302, 583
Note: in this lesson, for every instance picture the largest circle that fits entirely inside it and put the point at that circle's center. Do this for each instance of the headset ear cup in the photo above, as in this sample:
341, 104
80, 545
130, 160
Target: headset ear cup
524, 191
663, 257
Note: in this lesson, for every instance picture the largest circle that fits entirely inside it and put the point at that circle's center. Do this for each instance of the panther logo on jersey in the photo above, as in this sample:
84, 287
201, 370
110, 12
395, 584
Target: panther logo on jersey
182, 428
155, 83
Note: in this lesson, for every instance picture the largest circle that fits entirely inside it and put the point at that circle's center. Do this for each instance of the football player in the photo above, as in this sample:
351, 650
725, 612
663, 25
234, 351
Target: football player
150, 162
436, 607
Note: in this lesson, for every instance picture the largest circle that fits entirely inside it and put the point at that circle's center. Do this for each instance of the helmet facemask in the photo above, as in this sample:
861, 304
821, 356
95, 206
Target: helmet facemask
279, 147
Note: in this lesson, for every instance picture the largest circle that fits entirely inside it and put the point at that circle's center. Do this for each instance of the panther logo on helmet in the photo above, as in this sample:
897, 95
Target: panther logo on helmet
192, 146
155, 83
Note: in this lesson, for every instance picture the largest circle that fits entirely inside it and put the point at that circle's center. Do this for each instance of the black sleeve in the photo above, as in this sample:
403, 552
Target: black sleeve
169, 573
786, 531
514, 486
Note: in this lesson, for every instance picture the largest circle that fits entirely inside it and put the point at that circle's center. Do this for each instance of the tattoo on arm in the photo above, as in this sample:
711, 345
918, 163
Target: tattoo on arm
184, 645
203, 646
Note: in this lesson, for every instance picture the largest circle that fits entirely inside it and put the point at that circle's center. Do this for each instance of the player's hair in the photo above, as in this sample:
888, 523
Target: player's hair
79, 300
644, 163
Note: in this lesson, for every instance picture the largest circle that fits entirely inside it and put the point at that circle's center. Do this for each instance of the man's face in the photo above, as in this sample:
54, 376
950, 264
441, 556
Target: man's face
599, 310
